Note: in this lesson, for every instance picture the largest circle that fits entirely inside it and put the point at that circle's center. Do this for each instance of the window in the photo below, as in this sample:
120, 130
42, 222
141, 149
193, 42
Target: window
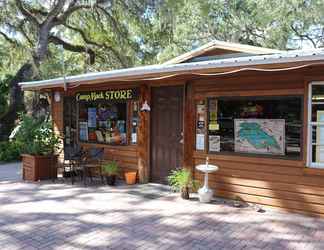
103, 117
268, 126
316, 125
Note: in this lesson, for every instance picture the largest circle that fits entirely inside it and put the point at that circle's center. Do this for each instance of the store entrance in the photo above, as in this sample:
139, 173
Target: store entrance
166, 131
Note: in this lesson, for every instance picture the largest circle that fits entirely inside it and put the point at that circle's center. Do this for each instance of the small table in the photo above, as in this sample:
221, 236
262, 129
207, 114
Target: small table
205, 193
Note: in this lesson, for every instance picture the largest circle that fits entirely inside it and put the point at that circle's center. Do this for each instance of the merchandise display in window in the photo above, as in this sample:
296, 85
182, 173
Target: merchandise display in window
255, 125
103, 117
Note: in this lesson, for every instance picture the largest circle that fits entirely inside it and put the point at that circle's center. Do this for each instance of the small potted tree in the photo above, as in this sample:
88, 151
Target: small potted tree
110, 170
181, 181
38, 144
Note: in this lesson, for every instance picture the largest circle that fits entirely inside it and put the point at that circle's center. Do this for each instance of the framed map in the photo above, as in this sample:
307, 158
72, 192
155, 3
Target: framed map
261, 136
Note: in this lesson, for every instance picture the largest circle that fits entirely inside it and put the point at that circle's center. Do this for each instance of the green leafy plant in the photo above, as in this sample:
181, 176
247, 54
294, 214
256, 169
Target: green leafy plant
182, 179
110, 168
36, 137
9, 151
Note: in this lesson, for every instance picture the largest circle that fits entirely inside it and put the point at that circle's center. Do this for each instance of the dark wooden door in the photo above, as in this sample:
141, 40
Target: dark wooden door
166, 131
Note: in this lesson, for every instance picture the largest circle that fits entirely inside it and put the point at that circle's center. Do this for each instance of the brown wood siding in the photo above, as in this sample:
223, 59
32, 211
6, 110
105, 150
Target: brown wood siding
287, 184
125, 156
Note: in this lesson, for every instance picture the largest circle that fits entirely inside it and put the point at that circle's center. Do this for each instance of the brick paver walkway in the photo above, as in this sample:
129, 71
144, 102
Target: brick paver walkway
61, 216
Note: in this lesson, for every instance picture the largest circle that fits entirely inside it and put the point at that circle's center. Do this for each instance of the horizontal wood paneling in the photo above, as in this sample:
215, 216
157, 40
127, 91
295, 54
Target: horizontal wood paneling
287, 184
125, 156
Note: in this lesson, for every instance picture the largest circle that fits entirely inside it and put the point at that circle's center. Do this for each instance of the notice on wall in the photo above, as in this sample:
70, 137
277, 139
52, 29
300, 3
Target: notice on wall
134, 138
263, 136
92, 117
214, 143
200, 141
213, 126
200, 124
83, 131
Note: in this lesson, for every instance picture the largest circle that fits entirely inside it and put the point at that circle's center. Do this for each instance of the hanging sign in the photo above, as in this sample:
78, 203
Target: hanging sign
107, 95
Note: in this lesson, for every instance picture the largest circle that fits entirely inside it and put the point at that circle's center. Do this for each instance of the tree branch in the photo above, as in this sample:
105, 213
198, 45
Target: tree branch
303, 35
8, 39
71, 8
74, 48
55, 11
26, 13
103, 45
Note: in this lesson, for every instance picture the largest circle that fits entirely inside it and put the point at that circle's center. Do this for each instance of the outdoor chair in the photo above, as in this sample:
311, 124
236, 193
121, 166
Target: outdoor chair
70, 167
91, 164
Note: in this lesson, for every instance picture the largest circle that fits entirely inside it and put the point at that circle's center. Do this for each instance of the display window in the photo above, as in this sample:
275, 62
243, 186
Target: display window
110, 120
268, 126
316, 125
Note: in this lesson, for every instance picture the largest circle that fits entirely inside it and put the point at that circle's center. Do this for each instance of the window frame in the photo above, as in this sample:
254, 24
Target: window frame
310, 125
129, 115
255, 155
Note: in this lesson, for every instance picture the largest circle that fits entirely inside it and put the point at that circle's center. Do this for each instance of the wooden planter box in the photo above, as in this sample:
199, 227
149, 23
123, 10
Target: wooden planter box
36, 167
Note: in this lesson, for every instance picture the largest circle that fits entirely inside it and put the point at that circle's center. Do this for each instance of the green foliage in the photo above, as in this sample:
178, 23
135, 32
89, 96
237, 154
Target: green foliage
4, 91
110, 168
36, 137
180, 179
9, 151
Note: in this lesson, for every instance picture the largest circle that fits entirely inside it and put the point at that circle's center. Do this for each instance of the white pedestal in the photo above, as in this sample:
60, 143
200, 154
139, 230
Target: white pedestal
205, 193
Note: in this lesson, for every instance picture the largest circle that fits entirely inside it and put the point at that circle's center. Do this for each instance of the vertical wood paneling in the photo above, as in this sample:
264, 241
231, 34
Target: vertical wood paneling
143, 135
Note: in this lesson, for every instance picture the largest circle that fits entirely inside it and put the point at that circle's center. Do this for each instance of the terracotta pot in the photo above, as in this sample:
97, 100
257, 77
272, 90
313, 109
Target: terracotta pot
185, 193
38, 167
111, 180
130, 177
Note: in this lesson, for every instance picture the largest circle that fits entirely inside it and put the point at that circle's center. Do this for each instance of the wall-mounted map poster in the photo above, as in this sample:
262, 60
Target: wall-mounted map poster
261, 136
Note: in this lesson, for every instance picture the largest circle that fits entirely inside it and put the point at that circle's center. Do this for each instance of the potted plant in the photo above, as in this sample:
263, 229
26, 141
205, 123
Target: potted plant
38, 144
110, 170
181, 181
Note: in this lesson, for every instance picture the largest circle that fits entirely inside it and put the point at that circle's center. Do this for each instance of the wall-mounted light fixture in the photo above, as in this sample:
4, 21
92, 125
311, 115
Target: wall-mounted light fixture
145, 107
57, 96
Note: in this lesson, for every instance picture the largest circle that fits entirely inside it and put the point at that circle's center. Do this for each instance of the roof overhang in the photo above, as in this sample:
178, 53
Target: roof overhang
154, 72
225, 46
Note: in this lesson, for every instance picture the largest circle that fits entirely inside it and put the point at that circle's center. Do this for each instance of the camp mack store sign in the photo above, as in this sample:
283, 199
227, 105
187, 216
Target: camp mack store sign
107, 95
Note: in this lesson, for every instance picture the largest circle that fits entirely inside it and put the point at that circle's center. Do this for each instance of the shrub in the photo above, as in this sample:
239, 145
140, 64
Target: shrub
9, 151
180, 179
36, 137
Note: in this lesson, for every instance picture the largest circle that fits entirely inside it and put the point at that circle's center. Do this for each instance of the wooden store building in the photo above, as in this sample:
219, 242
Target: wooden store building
257, 113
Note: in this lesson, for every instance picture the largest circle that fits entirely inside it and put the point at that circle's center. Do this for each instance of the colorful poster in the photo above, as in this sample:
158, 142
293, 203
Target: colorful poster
83, 131
262, 136
214, 143
92, 117
200, 141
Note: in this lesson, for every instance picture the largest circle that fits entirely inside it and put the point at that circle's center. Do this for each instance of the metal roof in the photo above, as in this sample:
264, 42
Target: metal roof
216, 44
176, 69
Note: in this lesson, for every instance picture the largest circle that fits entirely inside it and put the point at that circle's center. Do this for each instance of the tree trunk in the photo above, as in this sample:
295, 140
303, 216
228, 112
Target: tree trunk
16, 101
